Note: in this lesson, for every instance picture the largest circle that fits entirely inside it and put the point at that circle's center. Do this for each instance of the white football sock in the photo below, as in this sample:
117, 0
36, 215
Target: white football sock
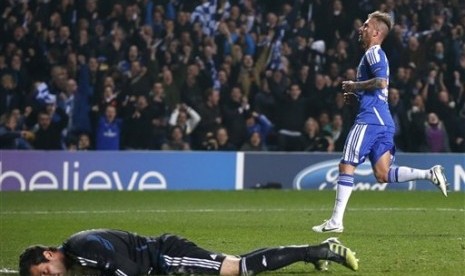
343, 192
404, 174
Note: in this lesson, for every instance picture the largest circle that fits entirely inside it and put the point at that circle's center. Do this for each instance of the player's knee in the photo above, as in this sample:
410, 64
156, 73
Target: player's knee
230, 266
381, 177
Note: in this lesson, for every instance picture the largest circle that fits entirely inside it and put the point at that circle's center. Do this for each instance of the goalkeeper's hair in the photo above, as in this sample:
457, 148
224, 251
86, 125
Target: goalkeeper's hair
382, 17
33, 255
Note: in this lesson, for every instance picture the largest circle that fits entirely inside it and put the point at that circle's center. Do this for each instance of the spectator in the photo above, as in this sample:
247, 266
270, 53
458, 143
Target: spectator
264, 101
19, 73
324, 121
48, 132
224, 83
312, 138
172, 92
71, 143
108, 98
176, 140
234, 34
249, 75
259, 123
446, 111
416, 118
436, 135
193, 86
115, 49
234, 112
108, 132
209, 142
253, 143
58, 80
85, 46
293, 112
186, 118
414, 54
56, 113
303, 80
10, 95
399, 115
337, 132
97, 68
322, 95
337, 26
210, 113
394, 46
439, 56
126, 66
403, 82
434, 84
347, 111
81, 99
20, 118
334, 78
84, 142
222, 138
159, 111
136, 132
278, 81
65, 101
71, 65
139, 79
11, 137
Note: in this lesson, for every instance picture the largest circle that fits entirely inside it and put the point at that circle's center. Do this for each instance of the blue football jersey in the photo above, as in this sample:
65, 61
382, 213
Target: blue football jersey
374, 108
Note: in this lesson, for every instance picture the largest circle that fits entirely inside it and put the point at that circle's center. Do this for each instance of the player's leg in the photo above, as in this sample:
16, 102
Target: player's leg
230, 266
385, 173
345, 183
182, 257
382, 157
357, 146
381, 167
435, 174
273, 258
268, 259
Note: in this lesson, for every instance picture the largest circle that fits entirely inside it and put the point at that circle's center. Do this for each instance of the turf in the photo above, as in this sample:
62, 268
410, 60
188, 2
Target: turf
395, 233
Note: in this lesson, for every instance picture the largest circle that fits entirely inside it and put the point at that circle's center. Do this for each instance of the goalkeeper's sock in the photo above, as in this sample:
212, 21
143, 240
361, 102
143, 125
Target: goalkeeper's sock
344, 189
267, 259
404, 174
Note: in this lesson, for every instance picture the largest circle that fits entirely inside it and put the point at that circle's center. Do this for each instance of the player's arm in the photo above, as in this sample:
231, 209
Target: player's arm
378, 66
115, 265
100, 255
368, 85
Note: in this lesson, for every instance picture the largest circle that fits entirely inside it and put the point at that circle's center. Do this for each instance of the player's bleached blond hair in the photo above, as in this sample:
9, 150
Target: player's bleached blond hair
382, 17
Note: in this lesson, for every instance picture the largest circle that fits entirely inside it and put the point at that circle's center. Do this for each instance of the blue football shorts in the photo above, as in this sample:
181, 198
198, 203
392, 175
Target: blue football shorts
368, 140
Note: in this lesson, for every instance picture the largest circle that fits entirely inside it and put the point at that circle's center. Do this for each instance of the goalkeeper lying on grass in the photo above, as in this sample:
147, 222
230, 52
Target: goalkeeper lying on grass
115, 252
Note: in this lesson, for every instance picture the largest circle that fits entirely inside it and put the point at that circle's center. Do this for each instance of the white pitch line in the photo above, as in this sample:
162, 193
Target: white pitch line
8, 271
77, 212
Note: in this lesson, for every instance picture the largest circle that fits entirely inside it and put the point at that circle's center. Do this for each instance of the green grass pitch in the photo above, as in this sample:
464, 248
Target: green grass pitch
393, 233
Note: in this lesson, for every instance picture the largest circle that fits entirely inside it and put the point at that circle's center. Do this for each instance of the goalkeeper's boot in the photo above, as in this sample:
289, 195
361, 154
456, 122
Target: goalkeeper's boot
323, 265
327, 227
335, 251
439, 179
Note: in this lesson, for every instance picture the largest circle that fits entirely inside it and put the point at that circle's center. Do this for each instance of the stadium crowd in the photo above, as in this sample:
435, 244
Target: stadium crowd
221, 74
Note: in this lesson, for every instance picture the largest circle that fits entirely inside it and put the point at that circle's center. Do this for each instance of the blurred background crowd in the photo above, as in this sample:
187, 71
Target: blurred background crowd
221, 74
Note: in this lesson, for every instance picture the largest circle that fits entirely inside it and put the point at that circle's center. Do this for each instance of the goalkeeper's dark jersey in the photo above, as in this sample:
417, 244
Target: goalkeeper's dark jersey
112, 252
